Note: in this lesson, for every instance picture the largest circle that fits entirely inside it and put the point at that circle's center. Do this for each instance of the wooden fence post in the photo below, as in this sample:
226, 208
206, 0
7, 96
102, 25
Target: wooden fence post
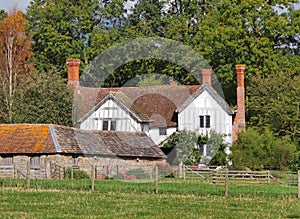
180, 170
269, 176
15, 173
183, 170
156, 179
93, 177
214, 177
28, 175
226, 183
298, 183
72, 173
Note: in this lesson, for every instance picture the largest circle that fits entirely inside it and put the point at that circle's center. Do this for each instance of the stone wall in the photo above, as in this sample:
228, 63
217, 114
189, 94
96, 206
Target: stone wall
54, 166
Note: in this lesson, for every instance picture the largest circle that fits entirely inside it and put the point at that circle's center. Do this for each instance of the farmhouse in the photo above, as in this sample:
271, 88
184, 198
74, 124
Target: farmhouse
47, 150
159, 111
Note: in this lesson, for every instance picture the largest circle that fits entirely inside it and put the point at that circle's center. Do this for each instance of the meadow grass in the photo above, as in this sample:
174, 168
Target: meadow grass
118, 199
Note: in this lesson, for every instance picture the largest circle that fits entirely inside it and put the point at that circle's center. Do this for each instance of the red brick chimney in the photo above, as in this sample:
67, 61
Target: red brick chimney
73, 72
206, 76
173, 84
239, 121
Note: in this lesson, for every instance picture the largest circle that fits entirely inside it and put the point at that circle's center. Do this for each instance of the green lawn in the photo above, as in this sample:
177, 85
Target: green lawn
176, 199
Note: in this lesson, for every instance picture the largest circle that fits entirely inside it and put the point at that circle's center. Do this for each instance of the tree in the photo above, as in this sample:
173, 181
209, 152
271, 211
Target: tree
262, 150
219, 157
252, 33
43, 97
185, 144
147, 19
152, 80
188, 144
2, 14
273, 101
15, 57
82, 29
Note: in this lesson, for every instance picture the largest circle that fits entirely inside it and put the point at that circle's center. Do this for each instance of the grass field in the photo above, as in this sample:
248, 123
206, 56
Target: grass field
175, 199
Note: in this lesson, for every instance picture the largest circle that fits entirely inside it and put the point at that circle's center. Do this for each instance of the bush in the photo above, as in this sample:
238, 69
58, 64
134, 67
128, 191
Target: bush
77, 174
259, 150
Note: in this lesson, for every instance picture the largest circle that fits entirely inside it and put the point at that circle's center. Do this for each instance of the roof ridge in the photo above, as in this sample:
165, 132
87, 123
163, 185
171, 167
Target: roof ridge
54, 138
139, 87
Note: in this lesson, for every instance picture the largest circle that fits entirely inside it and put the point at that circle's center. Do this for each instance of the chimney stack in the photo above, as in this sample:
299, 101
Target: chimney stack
173, 84
239, 123
206, 76
73, 72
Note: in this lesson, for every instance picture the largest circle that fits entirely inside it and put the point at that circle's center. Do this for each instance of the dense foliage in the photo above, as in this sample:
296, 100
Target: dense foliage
188, 146
82, 29
261, 150
274, 102
43, 97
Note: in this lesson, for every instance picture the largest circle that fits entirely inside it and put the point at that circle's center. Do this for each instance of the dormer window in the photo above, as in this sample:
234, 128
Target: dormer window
205, 121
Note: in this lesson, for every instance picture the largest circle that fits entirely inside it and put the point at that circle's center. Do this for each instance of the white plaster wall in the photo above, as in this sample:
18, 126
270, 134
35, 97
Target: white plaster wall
204, 104
111, 110
154, 134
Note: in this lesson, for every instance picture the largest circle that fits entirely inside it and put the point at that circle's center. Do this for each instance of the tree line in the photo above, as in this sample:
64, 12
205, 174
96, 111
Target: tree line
264, 35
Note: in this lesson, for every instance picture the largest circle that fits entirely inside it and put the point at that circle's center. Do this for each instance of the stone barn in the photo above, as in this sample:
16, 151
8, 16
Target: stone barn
46, 151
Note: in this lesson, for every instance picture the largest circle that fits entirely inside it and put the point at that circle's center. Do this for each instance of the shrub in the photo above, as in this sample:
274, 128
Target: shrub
262, 150
77, 174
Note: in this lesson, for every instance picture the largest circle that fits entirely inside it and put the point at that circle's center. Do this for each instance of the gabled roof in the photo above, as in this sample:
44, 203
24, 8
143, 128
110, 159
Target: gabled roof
124, 102
55, 139
158, 102
213, 93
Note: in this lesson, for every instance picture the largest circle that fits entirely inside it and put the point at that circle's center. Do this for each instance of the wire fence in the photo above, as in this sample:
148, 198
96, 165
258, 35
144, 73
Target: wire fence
173, 180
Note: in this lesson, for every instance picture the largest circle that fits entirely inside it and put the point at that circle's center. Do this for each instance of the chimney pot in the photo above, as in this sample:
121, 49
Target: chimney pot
206, 76
240, 70
173, 83
73, 72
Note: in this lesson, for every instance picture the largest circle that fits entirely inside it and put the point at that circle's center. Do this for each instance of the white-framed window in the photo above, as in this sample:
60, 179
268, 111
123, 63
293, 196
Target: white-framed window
109, 125
8, 160
35, 161
74, 161
204, 121
162, 130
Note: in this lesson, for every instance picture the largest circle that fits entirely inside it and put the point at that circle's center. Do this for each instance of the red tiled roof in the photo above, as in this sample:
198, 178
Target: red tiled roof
26, 139
158, 102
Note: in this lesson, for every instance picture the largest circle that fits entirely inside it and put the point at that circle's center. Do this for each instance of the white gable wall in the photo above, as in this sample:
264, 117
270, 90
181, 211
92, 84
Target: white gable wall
203, 105
156, 137
110, 110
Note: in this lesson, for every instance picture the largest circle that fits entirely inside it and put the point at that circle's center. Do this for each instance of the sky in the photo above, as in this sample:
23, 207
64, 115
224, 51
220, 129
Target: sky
22, 4
8, 4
